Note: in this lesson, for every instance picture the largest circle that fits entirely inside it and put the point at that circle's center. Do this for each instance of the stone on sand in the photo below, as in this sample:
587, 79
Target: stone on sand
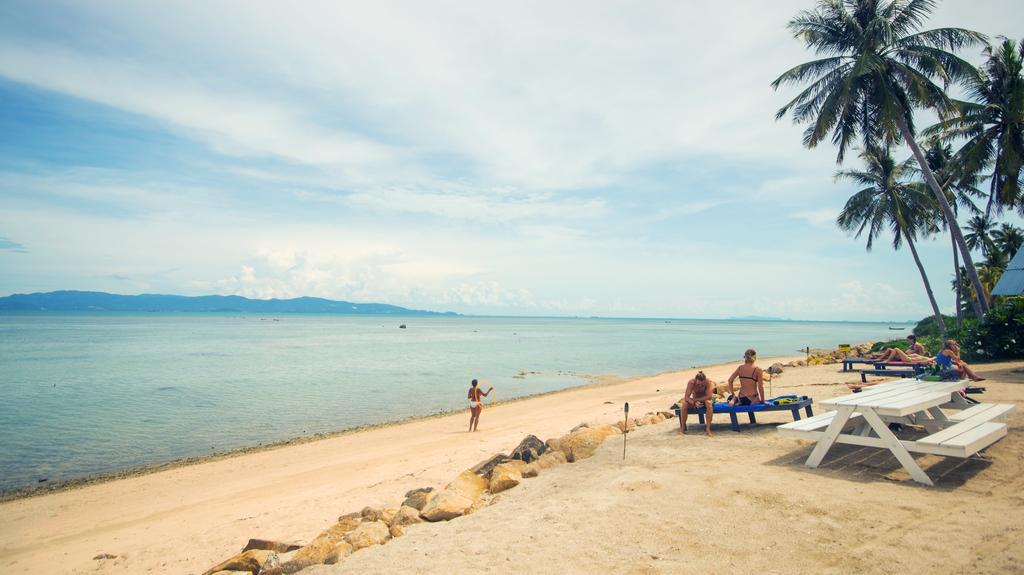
504, 477
368, 534
446, 505
529, 449
406, 515
418, 498
251, 561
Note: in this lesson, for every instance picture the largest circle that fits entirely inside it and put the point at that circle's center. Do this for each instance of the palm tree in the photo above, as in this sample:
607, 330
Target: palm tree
1008, 238
979, 234
889, 202
993, 125
876, 69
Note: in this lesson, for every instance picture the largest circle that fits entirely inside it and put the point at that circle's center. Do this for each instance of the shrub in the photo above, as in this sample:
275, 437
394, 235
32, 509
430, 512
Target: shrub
999, 336
930, 327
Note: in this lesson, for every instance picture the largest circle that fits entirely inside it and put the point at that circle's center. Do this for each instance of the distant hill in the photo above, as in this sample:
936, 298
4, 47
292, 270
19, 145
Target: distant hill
101, 301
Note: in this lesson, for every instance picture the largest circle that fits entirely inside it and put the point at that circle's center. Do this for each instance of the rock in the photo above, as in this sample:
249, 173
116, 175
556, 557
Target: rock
232, 573
775, 369
555, 443
446, 505
294, 561
504, 477
664, 414
251, 561
368, 534
276, 546
582, 443
406, 515
550, 459
468, 485
801, 363
638, 422
338, 552
396, 531
345, 524
529, 449
109, 556
377, 514
609, 429
580, 426
530, 470
483, 469
418, 498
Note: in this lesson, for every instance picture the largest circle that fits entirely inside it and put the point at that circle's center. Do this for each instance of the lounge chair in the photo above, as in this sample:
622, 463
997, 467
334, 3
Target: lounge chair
791, 403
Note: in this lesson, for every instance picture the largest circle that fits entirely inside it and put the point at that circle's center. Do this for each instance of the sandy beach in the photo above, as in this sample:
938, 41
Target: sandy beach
675, 504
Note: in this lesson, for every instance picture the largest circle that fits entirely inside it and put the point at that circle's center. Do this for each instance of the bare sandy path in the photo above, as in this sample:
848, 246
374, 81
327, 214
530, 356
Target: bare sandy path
186, 519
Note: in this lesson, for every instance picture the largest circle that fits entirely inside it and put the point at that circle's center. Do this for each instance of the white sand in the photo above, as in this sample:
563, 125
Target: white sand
676, 504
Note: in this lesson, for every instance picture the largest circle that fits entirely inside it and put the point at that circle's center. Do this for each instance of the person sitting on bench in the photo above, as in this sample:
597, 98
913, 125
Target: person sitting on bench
949, 358
698, 393
751, 381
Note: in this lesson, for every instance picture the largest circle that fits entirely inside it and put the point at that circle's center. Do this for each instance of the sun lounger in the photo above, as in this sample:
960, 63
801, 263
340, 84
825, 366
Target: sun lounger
848, 362
864, 373
795, 405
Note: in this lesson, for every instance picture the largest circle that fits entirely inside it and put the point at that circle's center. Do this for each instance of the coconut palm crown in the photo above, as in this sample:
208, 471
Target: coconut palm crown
875, 69
889, 201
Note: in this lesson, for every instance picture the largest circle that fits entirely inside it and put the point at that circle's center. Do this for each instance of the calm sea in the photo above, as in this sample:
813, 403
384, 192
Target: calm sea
84, 394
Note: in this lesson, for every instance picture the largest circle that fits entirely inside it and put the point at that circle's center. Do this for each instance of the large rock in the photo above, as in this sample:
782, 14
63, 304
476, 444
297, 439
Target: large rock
550, 459
529, 449
345, 524
582, 444
504, 477
468, 485
377, 514
294, 561
483, 469
446, 505
338, 552
251, 561
775, 369
406, 516
555, 443
267, 545
418, 498
368, 534
396, 531
530, 469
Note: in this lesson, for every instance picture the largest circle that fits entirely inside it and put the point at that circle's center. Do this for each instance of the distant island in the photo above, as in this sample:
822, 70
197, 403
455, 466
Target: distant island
101, 301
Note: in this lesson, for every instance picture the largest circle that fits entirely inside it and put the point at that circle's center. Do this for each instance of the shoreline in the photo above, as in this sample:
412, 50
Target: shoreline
597, 381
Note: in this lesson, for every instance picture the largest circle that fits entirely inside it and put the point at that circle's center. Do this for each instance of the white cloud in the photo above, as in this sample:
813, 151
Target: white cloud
822, 218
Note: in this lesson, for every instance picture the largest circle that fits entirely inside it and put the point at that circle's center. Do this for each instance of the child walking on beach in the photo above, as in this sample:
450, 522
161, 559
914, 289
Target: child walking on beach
475, 407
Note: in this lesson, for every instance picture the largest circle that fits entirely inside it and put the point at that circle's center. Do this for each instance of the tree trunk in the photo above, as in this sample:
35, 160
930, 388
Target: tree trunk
956, 274
927, 285
978, 303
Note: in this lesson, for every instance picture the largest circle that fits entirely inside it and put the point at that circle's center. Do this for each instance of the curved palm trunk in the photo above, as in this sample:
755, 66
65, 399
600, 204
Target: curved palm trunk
978, 303
956, 274
927, 285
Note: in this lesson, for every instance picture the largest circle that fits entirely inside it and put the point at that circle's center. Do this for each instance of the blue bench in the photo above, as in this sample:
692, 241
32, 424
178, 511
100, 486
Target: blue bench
802, 402
864, 373
848, 362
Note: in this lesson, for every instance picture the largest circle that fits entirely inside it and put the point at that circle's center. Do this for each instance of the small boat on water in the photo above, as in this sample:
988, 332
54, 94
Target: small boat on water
897, 328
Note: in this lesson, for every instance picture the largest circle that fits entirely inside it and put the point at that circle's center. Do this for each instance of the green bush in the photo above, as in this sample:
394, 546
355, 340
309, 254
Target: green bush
999, 336
930, 327
932, 343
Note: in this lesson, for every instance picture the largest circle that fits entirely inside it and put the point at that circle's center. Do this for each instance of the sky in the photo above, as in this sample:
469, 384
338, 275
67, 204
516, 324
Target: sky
518, 158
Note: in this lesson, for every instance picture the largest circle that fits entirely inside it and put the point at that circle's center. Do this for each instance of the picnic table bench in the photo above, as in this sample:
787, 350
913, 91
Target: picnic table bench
864, 418
803, 402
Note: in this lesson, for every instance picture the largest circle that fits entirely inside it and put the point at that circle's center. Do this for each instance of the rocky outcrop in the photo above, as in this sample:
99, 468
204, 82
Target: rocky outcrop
483, 469
418, 498
530, 470
338, 552
248, 561
775, 369
582, 443
550, 459
368, 534
266, 545
529, 449
406, 515
376, 514
468, 485
446, 505
504, 477
294, 561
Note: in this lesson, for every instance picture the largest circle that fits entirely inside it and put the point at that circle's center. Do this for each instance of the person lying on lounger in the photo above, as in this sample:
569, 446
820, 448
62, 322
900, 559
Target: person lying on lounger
916, 353
751, 381
949, 358
698, 393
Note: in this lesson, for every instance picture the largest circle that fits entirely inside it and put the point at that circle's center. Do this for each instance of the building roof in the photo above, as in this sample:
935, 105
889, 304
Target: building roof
1012, 282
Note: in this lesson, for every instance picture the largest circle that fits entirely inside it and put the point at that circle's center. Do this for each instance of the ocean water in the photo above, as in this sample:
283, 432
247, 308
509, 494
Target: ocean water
85, 394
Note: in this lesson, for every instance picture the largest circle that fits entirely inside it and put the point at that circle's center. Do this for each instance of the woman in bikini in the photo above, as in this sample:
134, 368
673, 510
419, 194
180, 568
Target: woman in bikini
699, 391
475, 407
751, 381
949, 358
916, 353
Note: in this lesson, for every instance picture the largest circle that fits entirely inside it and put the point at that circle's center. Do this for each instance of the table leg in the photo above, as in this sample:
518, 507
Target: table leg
831, 433
897, 449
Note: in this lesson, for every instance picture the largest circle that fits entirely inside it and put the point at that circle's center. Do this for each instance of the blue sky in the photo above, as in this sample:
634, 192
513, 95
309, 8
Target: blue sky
533, 158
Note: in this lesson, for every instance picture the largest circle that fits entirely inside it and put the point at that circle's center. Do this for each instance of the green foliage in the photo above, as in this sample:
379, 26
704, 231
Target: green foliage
999, 336
930, 327
932, 343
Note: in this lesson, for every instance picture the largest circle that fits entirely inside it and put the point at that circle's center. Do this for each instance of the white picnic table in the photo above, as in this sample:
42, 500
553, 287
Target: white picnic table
970, 429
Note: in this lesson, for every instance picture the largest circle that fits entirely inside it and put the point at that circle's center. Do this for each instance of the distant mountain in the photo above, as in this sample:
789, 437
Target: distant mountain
758, 318
100, 301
